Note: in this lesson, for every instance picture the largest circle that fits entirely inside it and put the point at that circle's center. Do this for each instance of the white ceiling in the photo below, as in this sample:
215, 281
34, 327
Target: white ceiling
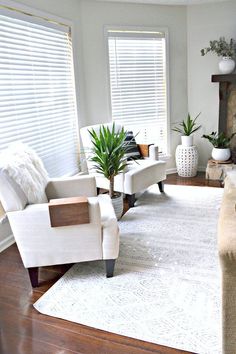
168, 2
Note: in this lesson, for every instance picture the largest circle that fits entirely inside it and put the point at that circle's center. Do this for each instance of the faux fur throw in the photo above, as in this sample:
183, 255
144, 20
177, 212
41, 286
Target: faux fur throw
23, 165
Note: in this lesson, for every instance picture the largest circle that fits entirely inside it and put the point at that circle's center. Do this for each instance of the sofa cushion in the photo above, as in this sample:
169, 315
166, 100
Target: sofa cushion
230, 183
232, 177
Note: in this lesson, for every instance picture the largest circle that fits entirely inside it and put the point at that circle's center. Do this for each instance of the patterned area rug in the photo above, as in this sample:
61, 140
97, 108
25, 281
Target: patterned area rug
166, 287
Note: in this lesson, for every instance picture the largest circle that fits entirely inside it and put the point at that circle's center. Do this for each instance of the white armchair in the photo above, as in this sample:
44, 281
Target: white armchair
40, 244
139, 174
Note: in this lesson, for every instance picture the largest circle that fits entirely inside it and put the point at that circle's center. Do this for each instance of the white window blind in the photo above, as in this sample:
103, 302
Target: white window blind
137, 63
37, 95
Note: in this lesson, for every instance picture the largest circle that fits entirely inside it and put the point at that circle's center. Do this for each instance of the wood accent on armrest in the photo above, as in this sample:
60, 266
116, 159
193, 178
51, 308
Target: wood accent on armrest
144, 149
68, 211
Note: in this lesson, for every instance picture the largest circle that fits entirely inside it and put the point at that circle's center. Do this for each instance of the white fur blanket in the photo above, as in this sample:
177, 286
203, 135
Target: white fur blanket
24, 166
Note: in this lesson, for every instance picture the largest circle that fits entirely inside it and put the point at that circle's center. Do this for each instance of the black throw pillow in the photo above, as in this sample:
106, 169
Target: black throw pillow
132, 148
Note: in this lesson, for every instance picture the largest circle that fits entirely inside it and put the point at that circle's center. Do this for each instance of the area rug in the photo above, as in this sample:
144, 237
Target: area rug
166, 287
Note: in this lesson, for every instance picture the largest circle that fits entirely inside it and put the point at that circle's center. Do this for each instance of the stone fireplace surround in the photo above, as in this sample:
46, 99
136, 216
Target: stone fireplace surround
227, 107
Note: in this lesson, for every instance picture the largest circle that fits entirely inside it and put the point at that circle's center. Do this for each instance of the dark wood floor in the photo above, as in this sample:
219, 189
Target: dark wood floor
23, 330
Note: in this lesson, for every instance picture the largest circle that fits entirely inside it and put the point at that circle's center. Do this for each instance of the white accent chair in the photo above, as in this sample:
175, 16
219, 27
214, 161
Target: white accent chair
40, 244
139, 174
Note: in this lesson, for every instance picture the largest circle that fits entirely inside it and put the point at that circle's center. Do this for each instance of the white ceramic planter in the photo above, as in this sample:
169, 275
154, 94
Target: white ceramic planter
226, 65
118, 205
220, 154
186, 158
187, 140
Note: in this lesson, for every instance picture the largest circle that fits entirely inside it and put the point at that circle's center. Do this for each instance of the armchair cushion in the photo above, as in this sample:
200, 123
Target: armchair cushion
40, 244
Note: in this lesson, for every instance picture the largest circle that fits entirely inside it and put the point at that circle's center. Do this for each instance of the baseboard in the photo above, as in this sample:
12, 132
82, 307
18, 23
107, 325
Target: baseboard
7, 242
174, 170
171, 170
202, 169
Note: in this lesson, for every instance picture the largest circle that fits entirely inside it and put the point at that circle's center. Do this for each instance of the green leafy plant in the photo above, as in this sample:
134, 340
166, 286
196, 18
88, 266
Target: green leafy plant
188, 126
109, 149
221, 48
219, 140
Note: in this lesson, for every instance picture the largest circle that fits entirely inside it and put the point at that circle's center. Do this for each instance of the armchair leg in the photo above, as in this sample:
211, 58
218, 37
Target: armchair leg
33, 274
98, 190
161, 186
110, 265
131, 200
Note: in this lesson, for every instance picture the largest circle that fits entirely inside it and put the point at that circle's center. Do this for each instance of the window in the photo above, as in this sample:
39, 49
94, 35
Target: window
138, 83
37, 94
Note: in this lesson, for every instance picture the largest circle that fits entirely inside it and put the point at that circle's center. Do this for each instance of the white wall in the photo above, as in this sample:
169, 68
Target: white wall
88, 19
94, 16
70, 10
204, 23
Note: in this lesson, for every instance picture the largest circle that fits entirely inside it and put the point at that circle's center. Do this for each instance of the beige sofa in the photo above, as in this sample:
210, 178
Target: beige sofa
227, 253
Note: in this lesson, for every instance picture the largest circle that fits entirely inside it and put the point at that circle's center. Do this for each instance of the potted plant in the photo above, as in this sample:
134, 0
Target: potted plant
225, 50
109, 149
220, 142
186, 128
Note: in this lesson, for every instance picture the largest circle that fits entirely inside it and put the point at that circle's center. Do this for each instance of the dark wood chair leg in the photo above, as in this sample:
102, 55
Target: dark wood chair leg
98, 190
110, 265
33, 274
161, 186
131, 200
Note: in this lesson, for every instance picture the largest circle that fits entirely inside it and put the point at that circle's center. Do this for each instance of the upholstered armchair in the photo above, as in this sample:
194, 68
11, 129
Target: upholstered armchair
140, 173
40, 244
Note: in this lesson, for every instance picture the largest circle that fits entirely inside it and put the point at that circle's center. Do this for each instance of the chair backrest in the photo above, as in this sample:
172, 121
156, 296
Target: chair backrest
23, 177
87, 139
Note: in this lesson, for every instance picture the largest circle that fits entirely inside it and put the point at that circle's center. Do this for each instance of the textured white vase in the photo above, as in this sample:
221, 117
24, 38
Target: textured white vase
226, 65
187, 140
220, 154
186, 158
118, 205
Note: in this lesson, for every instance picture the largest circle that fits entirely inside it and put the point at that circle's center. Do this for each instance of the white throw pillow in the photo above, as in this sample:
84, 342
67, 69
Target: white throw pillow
24, 166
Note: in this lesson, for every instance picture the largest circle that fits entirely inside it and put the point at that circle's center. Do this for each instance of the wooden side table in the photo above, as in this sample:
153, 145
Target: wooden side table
186, 158
217, 170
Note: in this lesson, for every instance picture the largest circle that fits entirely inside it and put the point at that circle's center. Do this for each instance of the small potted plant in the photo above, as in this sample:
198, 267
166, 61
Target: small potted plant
186, 128
220, 142
109, 157
225, 50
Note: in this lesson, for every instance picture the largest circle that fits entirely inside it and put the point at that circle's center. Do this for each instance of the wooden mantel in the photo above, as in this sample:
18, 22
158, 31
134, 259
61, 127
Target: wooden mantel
226, 82
230, 78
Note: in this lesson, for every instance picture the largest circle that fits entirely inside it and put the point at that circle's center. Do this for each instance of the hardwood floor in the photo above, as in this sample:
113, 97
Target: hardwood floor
199, 180
23, 330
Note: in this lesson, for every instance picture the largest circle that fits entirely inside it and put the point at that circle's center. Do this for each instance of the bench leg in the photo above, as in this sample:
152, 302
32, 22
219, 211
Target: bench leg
110, 265
131, 200
161, 186
33, 274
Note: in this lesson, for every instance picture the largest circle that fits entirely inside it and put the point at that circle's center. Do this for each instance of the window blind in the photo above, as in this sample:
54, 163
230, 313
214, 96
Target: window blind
37, 94
137, 65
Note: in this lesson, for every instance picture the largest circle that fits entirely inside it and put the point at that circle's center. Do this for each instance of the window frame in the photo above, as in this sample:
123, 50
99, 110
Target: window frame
107, 70
37, 16
36, 13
